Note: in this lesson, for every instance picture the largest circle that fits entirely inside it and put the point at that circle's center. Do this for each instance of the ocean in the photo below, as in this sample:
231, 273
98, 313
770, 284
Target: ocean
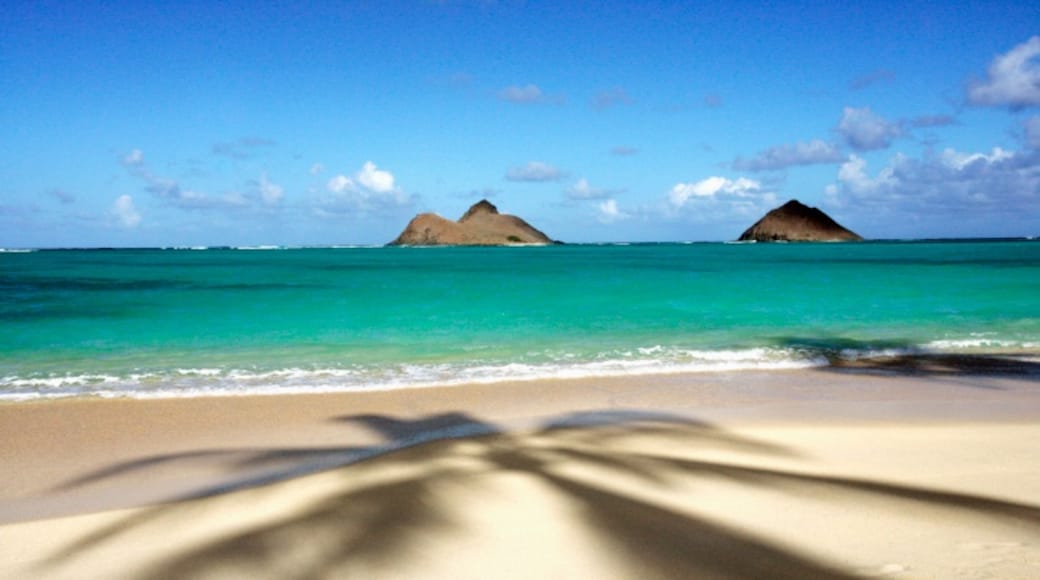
220, 321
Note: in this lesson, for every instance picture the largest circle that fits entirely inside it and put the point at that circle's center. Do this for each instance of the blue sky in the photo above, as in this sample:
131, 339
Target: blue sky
242, 123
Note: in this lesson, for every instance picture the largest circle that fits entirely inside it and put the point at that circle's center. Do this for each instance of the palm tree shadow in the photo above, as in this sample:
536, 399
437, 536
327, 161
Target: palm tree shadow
902, 357
942, 365
374, 523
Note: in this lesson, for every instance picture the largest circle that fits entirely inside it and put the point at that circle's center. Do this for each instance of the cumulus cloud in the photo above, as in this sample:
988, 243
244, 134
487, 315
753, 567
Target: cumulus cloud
970, 187
374, 179
535, 171
1012, 80
960, 161
611, 98
369, 190
125, 213
713, 188
854, 180
369, 178
783, 156
341, 183
863, 130
718, 200
609, 212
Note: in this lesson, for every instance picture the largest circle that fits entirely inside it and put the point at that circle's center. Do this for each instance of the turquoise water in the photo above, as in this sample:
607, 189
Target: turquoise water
215, 321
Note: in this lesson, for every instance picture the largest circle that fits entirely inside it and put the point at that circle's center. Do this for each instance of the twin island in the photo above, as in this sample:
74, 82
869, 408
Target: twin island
483, 225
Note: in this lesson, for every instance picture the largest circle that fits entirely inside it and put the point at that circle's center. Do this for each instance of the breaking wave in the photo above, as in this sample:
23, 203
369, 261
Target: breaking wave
650, 360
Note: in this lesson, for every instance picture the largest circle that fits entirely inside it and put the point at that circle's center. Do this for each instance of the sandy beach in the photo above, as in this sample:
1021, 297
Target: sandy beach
908, 469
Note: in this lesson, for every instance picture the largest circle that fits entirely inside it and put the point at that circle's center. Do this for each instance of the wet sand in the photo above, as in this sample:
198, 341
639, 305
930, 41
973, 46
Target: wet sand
922, 470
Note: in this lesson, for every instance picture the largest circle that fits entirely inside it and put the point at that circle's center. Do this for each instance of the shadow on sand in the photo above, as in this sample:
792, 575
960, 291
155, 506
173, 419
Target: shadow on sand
372, 523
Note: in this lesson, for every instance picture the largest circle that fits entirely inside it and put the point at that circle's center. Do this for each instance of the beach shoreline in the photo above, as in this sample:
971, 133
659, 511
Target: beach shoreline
943, 446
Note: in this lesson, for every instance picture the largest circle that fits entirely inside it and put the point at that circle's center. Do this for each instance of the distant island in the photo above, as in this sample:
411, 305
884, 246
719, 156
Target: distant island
797, 222
481, 225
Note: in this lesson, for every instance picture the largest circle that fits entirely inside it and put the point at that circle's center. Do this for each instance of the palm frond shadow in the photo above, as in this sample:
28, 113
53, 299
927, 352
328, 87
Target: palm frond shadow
942, 365
375, 524
255, 465
896, 357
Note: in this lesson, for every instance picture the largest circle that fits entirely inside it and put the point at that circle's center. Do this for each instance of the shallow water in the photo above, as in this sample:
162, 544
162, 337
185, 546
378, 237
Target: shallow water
189, 322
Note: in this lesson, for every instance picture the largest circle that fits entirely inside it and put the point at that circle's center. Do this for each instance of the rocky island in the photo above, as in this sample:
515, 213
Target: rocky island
797, 222
481, 225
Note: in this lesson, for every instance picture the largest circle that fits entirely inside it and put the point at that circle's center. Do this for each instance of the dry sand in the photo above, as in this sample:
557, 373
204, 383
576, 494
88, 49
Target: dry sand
932, 473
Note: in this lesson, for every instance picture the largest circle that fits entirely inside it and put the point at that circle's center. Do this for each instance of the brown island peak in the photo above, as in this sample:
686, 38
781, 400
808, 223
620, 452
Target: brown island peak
481, 225
797, 222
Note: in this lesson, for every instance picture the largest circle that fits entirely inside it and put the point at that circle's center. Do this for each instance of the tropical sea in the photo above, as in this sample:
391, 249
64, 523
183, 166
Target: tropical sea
219, 321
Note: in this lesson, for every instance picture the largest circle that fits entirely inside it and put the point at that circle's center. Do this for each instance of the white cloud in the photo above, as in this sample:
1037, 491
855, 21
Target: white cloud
535, 171
863, 130
369, 178
782, 156
718, 202
125, 213
525, 94
960, 161
712, 188
374, 179
609, 212
270, 193
606, 210
316, 169
341, 183
1012, 80
582, 190
854, 179
985, 191
370, 190
1032, 128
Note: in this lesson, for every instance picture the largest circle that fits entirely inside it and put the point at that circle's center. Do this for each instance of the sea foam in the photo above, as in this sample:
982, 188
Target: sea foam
188, 382
639, 361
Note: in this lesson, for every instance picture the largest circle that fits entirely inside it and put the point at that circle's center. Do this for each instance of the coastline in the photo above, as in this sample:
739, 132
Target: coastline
913, 469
